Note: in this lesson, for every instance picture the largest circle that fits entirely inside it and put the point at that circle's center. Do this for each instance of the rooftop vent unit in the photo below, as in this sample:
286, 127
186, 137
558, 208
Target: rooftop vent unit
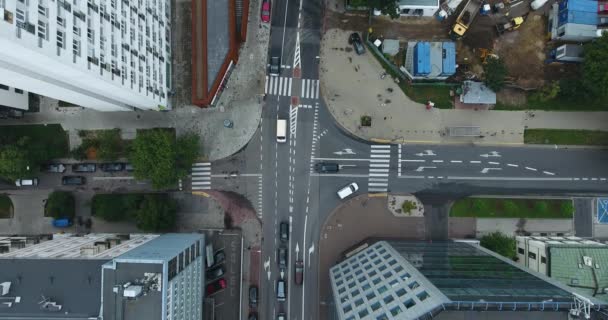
588, 261
48, 305
4, 288
132, 292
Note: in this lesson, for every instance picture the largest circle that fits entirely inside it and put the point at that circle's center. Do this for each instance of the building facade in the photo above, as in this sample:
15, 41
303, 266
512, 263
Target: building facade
413, 280
106, 55
103, 276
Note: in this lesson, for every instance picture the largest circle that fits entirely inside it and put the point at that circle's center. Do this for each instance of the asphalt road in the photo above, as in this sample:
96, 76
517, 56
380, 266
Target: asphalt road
280, 181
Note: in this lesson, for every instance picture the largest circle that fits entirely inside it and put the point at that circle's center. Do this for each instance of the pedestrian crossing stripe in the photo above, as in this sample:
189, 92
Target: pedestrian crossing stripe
379, 168
310, 89
278, 86
305, 106
201, 176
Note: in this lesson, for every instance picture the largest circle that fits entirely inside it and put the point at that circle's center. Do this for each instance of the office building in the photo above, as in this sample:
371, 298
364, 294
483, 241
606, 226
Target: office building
110, 55
414, 280
578, 263
103, 276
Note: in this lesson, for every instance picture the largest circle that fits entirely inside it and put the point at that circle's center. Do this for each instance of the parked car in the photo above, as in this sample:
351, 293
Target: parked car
29, 182
266, 11
253, 296
355, 40
327, 167
282, 257
299, 272
348, 190
73, 180
537, 4
216, 286
284, 231
215, 272
84, 167
62, 223
54, 168
281, 292
129, 167
275, 66
112, 167
219, 256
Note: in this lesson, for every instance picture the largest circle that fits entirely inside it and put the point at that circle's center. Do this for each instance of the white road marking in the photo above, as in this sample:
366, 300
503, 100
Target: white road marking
549, 173
381, 146
493, 162
420, 169
485, 170
474, 161
531, 169
512, 165
201, 176
379, 165
413, 160
456, 161
438, 161
339, 175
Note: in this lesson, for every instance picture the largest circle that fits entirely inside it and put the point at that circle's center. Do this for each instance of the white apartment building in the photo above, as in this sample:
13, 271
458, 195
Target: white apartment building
108, 55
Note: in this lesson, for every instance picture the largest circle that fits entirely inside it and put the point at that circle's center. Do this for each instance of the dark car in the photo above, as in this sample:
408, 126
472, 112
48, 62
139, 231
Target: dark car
253, 296
327, 167
216, 286
219, 256
355, 40
112, 167
282, 257
215, 272
299, 272
84, 167
275, 66
284, 231
73, 180
54, 168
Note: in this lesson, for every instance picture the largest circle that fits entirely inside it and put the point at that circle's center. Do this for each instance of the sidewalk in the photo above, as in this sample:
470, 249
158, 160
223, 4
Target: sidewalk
352, 88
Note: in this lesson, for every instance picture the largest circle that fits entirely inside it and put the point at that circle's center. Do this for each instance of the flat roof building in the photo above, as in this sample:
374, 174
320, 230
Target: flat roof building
412, 280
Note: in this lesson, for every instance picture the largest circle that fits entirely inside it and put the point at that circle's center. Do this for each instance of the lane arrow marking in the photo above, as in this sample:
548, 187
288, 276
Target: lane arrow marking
420, 169
485, 170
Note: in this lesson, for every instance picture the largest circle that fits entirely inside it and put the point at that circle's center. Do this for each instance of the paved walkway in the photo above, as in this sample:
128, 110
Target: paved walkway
352, 88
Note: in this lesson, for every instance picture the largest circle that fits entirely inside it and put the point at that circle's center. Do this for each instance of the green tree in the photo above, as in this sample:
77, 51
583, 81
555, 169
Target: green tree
187, 151
595, 66
110, 145
156, 213
494, 72
388, 7
548, 92
14, 163
153, 157
499, 243
60, 204
511, 208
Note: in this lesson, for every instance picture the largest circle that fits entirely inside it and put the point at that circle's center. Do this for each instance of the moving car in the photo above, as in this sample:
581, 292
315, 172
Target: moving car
84, 167
282, 257
73, 180
216, 286
253, 296
275, 66
537, 4
266, 11
31, 182
284, 231
62, 223
299, 272
215, 272
281, 130
355, 40
112, 167
54, 168
281, 290
348, 190
327, 167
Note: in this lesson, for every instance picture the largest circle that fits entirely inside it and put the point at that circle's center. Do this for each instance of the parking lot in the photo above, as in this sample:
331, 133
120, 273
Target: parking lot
223, 303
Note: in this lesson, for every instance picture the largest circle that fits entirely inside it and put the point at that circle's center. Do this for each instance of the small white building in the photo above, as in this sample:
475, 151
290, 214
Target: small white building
424, 8
13, 98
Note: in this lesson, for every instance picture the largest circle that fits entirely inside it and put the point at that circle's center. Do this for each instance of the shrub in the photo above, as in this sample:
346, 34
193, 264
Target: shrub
60, 204
480, 206
511, 208
541, 207
499, 243
366, 121
567, 209
408, 206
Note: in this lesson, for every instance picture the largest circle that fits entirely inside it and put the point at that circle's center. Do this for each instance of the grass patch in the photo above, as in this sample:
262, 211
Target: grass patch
567, 137
45, 142
6, 207
512, 208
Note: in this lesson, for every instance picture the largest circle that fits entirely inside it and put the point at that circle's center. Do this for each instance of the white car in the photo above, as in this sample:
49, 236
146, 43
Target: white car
536, 4
348, 190
26, 182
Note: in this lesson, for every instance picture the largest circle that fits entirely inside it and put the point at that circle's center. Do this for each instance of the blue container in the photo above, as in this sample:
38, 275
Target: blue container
62, 223
422, 59
578, 5
577, 17
449, 58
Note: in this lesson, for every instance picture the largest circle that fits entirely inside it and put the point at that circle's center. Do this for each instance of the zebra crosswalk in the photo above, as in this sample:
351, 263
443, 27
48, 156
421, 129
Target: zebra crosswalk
201, 176
379, 167
310, 89
278, 86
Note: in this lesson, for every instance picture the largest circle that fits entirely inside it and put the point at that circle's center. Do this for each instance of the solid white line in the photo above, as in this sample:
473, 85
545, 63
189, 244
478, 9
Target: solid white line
378, 179
380, 160
456, 161
201, 183
510, 178
280, 86
340, 159
531, 169
412, 177
379, 165
493, 162
474, 161
317, 90
289, 88
409, 160
304, 260
266, 85
201, 164
339, 175
372, 184
438, 161
380, 146
512, 165
549, 173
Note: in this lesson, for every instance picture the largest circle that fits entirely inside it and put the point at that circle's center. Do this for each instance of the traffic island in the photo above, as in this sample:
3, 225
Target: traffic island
404, 206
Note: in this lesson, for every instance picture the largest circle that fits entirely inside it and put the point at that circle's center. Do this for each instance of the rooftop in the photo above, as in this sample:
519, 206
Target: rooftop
477, 93
582, 267
73, 285
160, 249
419, 3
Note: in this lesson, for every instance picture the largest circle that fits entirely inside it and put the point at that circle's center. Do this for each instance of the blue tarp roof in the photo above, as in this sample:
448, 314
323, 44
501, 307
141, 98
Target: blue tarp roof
422, 57
578, 5
449, 58
577, 17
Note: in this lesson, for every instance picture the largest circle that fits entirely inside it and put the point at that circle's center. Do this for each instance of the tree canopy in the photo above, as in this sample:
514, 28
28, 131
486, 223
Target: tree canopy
156, 213
494, 72
499, 243
158, 156
595, 66
388, 7
15, 163
60, 204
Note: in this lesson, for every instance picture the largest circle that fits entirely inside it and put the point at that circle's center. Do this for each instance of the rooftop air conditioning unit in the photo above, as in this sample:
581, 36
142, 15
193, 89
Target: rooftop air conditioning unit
132, 291
588, 261
4, 288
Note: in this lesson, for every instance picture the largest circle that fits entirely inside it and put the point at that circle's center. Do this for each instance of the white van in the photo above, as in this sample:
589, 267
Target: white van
348, 190
281, 130
26, 182
209, 255
536, 4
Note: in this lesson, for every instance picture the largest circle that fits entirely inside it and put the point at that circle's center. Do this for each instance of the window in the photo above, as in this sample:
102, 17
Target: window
382, 289
41, 30
355, 293
19, 91
370, 295
42, 11
409, 303
20, 16
543, 260
413, 285
520, 250
375, 306
76, 31
60, 21
401, 292
388, 299
363, 313
90, 35
422, 295
60, 39
3, 87
76, 47
347, 309
358, 302
395, 311
532, 255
